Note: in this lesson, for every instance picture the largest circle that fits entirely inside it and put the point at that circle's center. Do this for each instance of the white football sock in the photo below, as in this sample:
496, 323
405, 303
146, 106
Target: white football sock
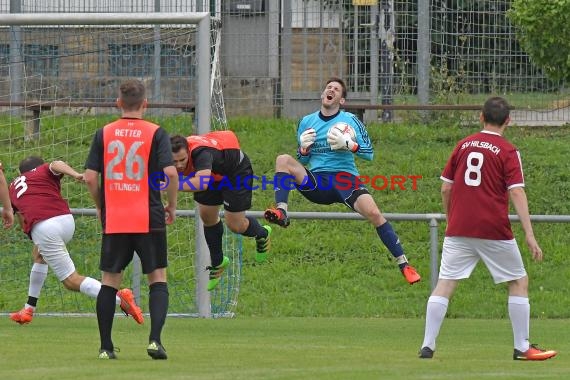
91, 287
37, 278
519, 313
435, 314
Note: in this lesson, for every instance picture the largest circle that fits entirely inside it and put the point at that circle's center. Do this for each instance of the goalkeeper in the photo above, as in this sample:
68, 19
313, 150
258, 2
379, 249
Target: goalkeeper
323, 154
218, 172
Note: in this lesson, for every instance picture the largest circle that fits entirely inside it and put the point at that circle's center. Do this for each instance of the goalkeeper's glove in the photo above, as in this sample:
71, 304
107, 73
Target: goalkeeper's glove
341, 141
307, 139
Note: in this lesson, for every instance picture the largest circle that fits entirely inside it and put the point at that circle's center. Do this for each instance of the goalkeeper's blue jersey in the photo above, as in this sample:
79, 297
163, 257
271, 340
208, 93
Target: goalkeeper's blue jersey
321, 157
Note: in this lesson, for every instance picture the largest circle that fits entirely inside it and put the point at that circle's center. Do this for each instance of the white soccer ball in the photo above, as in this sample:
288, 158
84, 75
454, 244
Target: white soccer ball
345, 128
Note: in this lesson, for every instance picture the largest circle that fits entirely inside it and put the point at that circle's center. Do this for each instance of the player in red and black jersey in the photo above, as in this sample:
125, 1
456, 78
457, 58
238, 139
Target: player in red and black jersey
218, 172
127, 154
483, 172
45, 217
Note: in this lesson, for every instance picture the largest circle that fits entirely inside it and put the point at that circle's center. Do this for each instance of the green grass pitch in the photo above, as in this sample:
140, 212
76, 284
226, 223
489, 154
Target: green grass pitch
278, 348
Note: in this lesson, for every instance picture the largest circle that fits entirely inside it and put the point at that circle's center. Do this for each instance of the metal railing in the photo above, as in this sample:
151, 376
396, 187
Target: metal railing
432, 219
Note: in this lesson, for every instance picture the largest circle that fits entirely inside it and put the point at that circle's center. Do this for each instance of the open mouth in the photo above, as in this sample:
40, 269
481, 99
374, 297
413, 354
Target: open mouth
329, 97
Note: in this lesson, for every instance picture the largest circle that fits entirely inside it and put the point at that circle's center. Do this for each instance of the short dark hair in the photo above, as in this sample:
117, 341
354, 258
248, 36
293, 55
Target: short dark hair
30, 163
132, 94
338, 80
178, 142
496, 111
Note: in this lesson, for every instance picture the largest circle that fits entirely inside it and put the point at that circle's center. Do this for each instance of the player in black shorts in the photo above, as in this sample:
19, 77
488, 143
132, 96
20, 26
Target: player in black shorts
218, 172
125, 154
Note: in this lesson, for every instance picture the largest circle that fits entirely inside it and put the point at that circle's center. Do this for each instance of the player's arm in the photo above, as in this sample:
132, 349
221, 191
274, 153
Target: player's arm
365, 148
171, 193
520, 203
203, 160
446, 188
7, 212
305, 139
93, 166
91, 178
61, 167
200, 181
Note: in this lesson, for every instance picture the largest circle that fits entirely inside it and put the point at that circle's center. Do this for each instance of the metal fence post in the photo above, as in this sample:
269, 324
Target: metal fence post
423, 58
434, 252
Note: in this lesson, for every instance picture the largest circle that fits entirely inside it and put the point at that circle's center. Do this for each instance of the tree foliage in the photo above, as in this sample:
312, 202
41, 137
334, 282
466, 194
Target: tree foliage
543, 30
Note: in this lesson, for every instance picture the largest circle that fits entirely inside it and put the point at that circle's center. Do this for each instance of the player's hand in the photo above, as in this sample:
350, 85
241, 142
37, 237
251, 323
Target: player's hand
169, 214
341, 141
79, 178
7, 217
534, 248
307, 139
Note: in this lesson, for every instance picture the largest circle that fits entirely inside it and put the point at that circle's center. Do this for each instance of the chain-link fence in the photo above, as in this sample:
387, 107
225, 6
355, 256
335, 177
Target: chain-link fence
398, 54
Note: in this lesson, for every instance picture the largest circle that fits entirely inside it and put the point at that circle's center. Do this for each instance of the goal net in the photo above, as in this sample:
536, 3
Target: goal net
58, 79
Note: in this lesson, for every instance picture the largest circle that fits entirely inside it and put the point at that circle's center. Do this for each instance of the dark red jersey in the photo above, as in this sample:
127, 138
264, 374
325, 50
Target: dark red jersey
483, 167
36, 194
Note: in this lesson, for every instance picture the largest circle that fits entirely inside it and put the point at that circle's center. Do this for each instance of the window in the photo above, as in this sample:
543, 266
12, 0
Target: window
137, 60
41, 59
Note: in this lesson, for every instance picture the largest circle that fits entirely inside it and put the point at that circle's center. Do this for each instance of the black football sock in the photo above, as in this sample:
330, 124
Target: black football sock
158, 306
106, 303
254, 229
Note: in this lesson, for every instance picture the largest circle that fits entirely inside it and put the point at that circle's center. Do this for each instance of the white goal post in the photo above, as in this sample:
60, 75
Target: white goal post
203, 88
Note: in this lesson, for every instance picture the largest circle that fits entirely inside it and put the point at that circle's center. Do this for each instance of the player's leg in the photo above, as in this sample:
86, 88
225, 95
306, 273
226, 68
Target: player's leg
435, 314
209, 208
236, 201
105, 307
116, 253
458, 260
505, 264
519, 314
91, 287
364, 204
213, 230
51, 237
289, 174
152, 249
38, 275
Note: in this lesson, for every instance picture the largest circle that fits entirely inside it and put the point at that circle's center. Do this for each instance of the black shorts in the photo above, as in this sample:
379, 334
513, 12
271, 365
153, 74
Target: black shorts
234, 192
117, 251
327, 188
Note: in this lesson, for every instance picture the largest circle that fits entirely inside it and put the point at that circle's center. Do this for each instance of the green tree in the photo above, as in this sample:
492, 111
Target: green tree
543, 30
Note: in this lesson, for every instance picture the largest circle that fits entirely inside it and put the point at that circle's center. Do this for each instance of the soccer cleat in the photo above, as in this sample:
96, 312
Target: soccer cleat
156, 351
106, 354
129, 306
23, 316
216, 273
534, 353
410, 274
426, 353
277, 216
263, 245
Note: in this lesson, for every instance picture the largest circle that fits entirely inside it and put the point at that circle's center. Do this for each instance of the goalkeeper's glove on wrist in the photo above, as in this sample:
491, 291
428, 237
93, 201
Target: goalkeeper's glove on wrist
307, 139
341, 141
